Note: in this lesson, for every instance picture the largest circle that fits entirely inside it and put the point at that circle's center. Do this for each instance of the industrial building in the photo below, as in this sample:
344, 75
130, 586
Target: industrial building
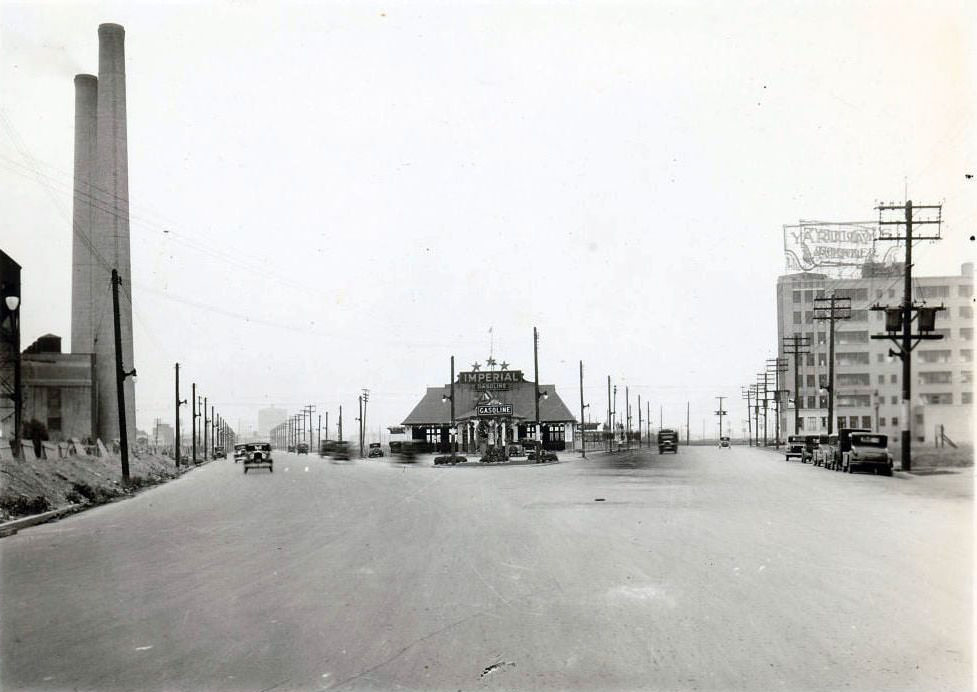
868, 382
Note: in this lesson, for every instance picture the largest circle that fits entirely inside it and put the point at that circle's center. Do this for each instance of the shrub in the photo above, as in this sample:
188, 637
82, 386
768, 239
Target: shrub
19, 505
96, 495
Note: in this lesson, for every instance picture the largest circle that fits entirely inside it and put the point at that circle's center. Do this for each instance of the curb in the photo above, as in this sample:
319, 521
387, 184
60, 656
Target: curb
9, 528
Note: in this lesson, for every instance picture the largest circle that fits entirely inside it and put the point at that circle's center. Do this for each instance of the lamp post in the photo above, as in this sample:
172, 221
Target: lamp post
451, 397
11, 301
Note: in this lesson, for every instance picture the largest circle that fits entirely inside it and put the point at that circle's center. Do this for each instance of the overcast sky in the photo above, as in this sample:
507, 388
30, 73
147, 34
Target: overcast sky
333, 196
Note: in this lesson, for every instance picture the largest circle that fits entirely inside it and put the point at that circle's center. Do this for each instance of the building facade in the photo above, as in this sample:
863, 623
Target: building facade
492, 408
868, 380
58, 390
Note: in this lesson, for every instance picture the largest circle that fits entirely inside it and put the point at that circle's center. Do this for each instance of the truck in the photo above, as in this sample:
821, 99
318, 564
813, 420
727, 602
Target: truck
667, 441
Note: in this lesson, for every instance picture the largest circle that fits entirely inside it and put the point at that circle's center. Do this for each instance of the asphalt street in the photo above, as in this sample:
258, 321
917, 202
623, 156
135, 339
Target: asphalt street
709, 569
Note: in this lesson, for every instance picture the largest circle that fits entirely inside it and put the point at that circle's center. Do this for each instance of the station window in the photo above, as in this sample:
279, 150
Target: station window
796, 296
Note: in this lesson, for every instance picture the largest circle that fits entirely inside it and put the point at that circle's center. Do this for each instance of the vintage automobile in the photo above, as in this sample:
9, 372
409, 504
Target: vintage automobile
340, 450
376, 451
867, 449
326, 447
257, 455
843, 446
515, 450
667, 441
723, 442
219, 453
794, 448
408, 452
239, 451
811, 443
302, 448
535, 452
449, 459
825, 451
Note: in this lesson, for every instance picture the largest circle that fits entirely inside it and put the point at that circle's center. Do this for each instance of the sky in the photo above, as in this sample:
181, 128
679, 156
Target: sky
328, 197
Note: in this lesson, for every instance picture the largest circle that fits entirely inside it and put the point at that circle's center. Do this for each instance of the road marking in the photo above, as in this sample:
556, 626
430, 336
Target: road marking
306, 469
143, 648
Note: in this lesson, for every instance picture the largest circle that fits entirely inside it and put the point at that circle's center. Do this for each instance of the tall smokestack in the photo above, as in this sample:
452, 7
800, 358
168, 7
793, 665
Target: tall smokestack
111, 232
82, 259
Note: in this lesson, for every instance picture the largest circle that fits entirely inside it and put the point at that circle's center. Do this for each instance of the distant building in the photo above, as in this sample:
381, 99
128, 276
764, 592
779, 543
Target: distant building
58, 389
268, 418
163, 434
868, 382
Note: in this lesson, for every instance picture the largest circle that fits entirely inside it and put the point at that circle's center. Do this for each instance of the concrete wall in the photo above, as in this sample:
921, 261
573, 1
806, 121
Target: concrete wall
72, 377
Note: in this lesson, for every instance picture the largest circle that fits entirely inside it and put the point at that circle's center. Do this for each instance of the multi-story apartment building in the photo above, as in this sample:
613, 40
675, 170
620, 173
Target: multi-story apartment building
868, 380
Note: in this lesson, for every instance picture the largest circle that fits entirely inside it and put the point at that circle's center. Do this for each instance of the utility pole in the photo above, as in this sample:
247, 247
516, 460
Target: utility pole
906, 346
360, 421
627, 415
340, 422
832, 308
205, 428
640, 436
212, 432
176, 439
366, 398
777, 366
745, 393
609, 428
648, 418
318, 437
795, 343
539, 436
193, 405
688, 414
583, 434
120, 378
721, 413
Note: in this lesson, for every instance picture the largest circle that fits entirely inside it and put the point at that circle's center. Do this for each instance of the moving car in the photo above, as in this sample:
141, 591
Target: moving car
239, 452
375, 450
723, 442
219, 453
302, 448
667, 441
407, 453
326, 447
340, 450
795, 447
868, 449
257, 455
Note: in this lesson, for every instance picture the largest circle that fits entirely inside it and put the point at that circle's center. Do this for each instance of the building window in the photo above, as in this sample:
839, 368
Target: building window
824, 422
796, 296
965, 311
823, 403
811, 402
932, 292
810, 380
797, 318
965, 290
808, 317
880, 357
967, 333
944, 377
842, 422
854, 421
937, 398
808, 295
854, 400
852, 358
966, 397
859, 315
867, 422
854, 379
966, 376
810, 337
852, 337
810, 360
53, 409
895, 421
800, 424
822, 338
881, 379
966, 355
882, 421
934, 356
822, 380
822, 359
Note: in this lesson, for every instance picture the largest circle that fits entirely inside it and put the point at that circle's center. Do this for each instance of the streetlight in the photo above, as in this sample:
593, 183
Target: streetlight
12, 302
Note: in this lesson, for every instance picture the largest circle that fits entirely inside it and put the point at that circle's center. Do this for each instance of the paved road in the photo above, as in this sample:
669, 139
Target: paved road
710, 569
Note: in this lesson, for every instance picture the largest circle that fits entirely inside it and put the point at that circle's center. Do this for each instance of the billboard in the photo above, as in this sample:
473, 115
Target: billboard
833, 248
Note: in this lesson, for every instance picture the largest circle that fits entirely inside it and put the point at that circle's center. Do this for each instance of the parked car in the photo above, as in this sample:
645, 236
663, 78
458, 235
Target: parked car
811, 443
723, 442
825, 450
302, 448
844, 446
868, 450
535, 452
515, 450
794, 447
240, 451
448, 459
219, 453
290, 448
667, 441
258, 454
376, 450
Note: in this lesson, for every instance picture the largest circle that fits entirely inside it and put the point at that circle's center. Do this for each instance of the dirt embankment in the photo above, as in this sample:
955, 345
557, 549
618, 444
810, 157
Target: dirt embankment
31, 487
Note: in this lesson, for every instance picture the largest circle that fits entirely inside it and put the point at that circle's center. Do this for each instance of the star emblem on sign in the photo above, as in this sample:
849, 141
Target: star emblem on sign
503, 366
490, 362
476, 367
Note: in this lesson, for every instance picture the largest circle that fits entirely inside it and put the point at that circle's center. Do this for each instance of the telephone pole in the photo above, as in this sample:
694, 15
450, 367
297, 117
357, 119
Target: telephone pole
793, 345
721, 413
120, 377
832, 308
340, 422
640, 436
205, 428
583, 437
746, 393
609, 428
905, 319
176, 438
688, 422
777, 366
193, 405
